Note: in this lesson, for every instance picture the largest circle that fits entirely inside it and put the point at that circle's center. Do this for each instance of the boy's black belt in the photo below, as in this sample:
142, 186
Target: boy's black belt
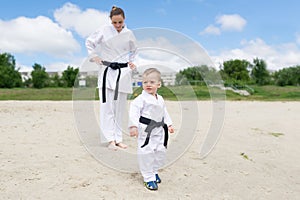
114, 66
151, 125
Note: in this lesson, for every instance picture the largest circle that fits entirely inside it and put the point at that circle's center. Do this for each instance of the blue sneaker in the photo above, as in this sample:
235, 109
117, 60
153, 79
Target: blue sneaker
158, 180
151, 185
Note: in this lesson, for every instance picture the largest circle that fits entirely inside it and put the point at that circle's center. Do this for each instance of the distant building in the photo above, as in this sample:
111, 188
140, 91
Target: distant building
52, 74
168, 79
25, 75
88, 73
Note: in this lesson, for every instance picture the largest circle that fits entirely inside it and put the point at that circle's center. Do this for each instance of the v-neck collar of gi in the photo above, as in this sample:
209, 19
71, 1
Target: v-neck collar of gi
144, 93
122, 31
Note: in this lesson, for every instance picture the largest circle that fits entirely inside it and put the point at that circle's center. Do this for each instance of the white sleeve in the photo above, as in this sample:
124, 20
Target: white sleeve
167, 118
93, 40
133, 47
135, 112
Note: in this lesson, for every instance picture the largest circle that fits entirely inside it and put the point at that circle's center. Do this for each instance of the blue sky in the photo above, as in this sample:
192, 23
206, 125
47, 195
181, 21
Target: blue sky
52, 33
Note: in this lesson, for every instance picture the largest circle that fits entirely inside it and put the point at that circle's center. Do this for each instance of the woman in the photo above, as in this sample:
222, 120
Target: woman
113, 43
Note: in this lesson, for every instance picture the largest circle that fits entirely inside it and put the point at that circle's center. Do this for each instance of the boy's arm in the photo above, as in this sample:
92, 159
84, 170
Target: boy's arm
134, 116
167, 117
168, 120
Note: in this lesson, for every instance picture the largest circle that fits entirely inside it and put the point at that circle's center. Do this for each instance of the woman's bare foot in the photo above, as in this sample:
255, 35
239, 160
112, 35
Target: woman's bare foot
112, 146
121, 145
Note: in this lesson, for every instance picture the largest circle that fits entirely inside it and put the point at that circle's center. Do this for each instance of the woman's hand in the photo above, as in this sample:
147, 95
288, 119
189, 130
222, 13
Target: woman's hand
96, 60
131, 65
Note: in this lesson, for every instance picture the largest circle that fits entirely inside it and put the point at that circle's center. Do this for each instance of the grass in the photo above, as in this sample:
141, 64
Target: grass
271, 93
36, 94
268, 93
174, 93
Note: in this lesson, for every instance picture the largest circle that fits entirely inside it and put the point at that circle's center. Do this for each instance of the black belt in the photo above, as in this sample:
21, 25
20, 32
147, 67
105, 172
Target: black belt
151, 125
114, 66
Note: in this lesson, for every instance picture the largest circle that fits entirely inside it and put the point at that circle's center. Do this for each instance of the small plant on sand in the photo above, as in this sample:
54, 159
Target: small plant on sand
276, 134
245, 156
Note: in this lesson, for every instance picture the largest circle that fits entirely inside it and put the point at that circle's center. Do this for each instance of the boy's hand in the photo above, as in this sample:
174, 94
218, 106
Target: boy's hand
133, 131
171, 129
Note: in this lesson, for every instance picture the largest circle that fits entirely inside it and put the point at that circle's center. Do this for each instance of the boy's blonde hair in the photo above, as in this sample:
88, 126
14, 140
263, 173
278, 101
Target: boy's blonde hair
152, 70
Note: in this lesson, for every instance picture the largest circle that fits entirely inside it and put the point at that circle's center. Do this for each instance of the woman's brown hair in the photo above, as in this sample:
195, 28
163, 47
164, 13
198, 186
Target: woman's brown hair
116, 11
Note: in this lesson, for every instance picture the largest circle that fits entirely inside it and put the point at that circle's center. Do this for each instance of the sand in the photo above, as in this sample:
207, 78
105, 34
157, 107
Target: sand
43, 156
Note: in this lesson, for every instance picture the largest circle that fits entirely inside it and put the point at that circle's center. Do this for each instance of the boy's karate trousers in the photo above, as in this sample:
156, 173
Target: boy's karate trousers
152, 156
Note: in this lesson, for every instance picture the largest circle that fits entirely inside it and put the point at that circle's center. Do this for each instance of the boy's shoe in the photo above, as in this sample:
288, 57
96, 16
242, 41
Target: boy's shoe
151, 185
158, 180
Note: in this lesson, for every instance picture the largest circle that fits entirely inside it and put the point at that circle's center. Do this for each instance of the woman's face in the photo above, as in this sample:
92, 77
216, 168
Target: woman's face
118, 22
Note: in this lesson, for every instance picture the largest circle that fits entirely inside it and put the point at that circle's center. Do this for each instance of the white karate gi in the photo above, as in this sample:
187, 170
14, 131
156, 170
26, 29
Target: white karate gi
152, 156
112, 46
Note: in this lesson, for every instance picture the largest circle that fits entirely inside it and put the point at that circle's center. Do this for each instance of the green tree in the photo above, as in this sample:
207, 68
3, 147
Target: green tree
194, 75
9, 76
287, 76
40, 77
236, 70
259, 73
69, 76
181, 79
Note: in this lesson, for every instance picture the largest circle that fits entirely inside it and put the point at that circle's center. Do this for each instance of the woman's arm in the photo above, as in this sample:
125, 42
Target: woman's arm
91, 43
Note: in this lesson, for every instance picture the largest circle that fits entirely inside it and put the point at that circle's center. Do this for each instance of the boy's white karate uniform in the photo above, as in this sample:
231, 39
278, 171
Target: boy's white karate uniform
152, 156
112, 46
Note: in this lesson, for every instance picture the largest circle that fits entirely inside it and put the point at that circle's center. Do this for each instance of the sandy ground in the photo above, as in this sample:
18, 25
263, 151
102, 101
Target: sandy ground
42, 155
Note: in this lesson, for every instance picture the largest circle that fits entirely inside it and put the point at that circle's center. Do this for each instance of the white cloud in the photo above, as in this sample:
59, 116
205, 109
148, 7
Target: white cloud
61, 66
171, 49
54, 66
212, 30
46, 41
276, 56
232, 22
32, 35
71, 17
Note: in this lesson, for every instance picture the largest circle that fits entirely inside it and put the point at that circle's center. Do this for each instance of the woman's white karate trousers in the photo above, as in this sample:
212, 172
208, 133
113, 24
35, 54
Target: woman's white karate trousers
111, 116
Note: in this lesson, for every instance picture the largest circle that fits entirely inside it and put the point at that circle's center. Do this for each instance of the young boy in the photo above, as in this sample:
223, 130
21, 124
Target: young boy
150, 122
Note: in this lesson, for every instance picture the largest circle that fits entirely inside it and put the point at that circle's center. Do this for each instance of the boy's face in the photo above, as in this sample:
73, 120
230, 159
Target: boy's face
151, 83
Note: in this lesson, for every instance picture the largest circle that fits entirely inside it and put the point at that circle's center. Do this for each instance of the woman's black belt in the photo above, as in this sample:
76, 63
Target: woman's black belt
114, 66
